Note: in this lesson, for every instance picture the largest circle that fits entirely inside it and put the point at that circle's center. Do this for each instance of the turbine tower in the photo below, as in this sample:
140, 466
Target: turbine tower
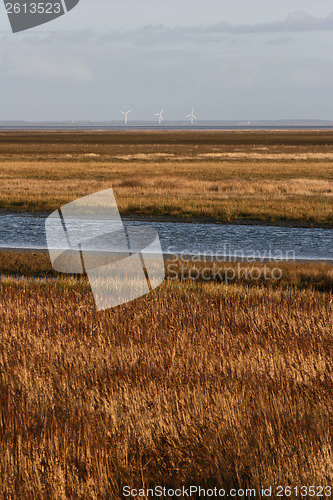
125, 113
160, 117
192, 116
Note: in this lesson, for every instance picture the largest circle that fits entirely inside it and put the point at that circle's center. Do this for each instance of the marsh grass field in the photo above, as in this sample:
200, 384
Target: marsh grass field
280, 177
206, 383
195, 384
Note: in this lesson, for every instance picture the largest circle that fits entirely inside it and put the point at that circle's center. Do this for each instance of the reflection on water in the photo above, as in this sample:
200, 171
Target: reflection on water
234, 241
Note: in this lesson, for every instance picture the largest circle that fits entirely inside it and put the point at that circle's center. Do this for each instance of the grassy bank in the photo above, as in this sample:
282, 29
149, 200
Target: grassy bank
203, 384
298, 275
262, 176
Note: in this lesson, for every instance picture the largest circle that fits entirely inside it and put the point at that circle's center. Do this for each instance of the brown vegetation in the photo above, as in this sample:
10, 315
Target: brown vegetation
203, 384
265, 176
298, 275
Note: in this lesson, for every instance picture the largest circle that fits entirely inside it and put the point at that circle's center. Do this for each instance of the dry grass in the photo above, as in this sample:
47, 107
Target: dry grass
298, 275
201, 384
224, 176
26, 263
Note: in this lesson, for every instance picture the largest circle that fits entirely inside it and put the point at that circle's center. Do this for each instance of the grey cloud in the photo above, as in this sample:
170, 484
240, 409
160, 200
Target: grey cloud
41, 58
163, 35
152, 35
280, 40
296, 21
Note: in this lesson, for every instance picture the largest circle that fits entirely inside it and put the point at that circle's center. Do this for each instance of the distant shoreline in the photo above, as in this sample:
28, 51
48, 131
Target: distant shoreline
151, 127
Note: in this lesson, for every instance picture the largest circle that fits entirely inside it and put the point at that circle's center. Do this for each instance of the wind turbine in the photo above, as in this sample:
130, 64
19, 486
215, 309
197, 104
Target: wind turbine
160, 117
125, 114
192, 116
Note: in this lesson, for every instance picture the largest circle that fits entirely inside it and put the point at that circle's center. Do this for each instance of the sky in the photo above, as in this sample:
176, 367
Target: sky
229, 60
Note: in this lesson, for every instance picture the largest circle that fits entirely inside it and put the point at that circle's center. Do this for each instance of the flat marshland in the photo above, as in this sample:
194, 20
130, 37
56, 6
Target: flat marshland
276, 176
202, 383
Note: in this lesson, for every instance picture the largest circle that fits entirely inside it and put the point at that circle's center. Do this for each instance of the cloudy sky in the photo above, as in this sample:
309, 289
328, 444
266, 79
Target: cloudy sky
230, 60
